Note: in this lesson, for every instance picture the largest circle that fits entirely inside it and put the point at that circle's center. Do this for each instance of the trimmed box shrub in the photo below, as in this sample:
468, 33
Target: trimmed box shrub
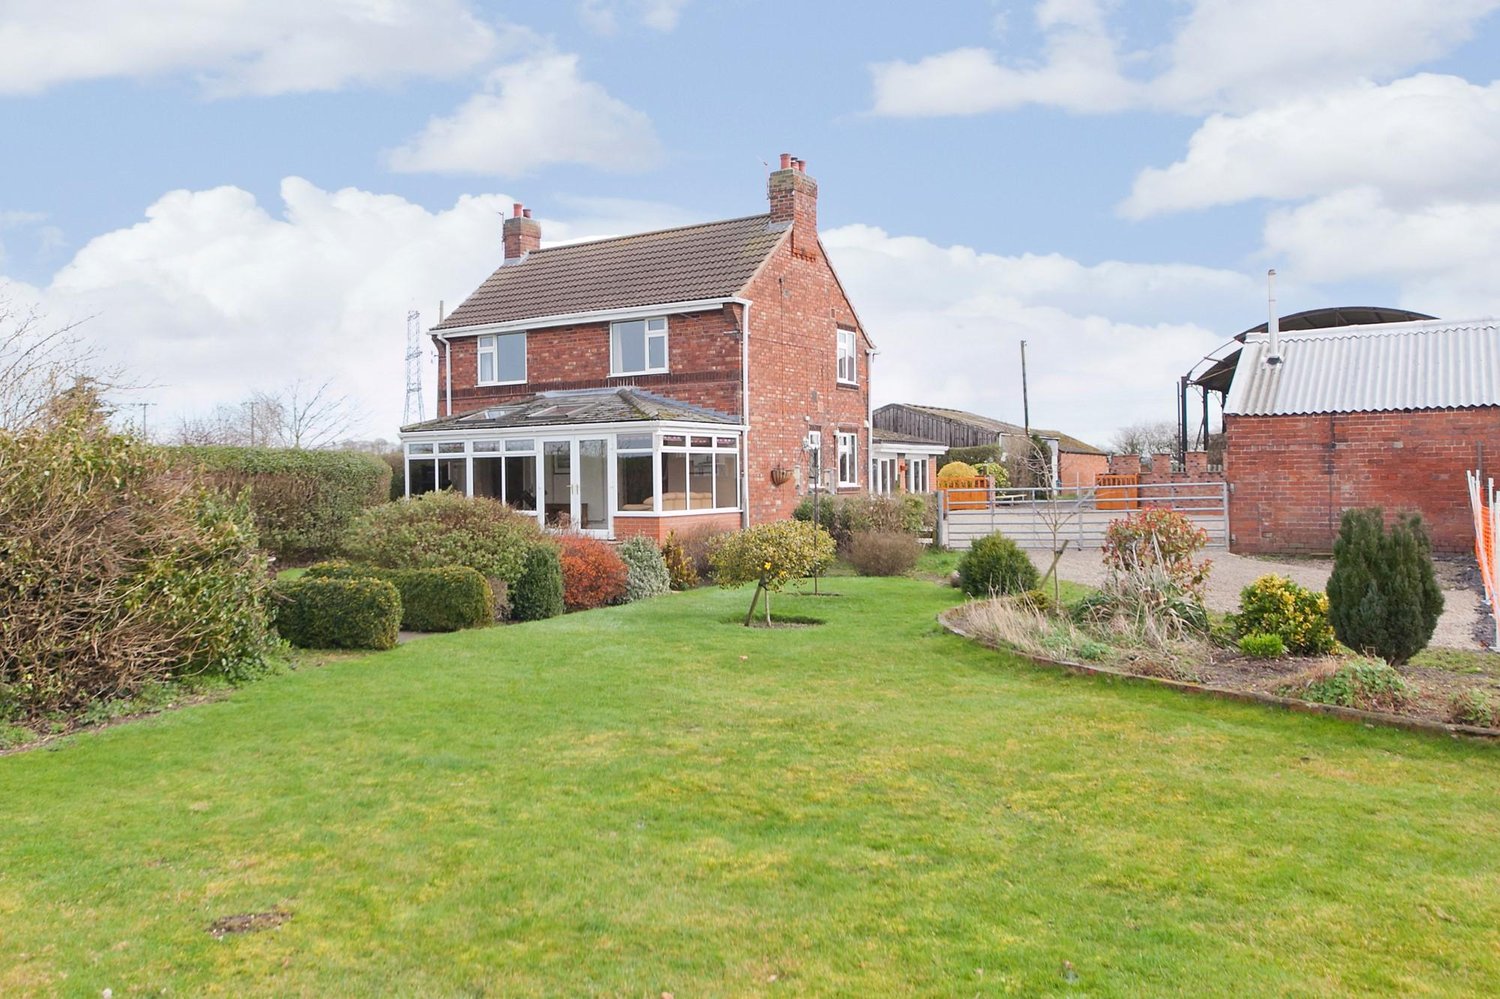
593, 575
302, 501
996, 565
537, 593
1383, 595
331, 613
883, 553
451, 598
441, 529
645, 570
1274, 605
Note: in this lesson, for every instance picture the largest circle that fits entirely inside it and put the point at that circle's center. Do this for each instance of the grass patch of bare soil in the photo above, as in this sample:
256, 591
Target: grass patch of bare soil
247, 922
1427, 691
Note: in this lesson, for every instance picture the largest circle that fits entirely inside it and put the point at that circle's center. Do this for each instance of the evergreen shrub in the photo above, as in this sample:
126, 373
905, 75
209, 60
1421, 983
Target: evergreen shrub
646, 573
537, 593
1274, 605
996, 565
593, 575
1383, 595
332, 613
302, 501
442, 529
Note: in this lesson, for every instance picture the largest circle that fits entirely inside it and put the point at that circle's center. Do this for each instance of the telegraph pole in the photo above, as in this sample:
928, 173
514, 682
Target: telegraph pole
1025, 402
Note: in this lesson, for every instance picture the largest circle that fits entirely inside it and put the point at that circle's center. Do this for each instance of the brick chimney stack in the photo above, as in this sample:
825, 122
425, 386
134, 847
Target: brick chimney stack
794, 197
521, 234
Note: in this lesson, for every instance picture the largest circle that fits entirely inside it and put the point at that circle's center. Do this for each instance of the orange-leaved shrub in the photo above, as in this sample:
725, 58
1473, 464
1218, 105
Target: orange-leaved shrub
593, 575
1159, 538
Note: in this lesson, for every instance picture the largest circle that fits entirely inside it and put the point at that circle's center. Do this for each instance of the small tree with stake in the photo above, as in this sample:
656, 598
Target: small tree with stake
1383, 596
770, 556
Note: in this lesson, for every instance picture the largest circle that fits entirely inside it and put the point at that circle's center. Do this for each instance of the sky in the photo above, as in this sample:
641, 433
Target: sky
230, 196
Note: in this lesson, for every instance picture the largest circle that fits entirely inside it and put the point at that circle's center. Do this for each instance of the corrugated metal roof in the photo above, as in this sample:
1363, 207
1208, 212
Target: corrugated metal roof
687, 264
1356, 369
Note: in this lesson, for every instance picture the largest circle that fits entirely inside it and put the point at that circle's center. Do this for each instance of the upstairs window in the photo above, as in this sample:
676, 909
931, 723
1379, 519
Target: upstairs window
847, 372
638, 347
502, 359
848, 459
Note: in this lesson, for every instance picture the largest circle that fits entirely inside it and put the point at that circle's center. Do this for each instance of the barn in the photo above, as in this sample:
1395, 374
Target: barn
1321, 419
1074, 463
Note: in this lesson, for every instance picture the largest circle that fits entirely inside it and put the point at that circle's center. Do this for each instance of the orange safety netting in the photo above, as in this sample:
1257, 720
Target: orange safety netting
1486, 527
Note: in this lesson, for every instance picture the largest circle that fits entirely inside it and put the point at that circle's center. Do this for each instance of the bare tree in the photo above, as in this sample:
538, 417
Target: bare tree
298, 416
37, 362
1147, 438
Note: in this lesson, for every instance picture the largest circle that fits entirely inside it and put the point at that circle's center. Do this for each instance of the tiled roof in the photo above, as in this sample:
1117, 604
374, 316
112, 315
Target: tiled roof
1360, 369
1065, 442
687, 264
553, 409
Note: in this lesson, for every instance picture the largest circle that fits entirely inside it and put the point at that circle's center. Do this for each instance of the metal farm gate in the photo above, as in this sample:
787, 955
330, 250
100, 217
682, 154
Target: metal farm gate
1034, 518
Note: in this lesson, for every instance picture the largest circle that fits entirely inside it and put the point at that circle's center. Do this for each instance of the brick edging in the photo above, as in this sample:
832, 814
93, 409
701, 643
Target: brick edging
1229, 694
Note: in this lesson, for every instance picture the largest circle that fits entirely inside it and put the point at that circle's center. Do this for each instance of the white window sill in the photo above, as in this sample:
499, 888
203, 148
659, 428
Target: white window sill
520, 381
848, 384
637, 374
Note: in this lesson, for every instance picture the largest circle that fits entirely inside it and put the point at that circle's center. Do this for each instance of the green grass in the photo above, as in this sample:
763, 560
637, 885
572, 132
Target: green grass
647, 799
1459, 660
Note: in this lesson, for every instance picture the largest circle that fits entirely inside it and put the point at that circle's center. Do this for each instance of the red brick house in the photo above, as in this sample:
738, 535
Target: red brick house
652, 382
1386, 414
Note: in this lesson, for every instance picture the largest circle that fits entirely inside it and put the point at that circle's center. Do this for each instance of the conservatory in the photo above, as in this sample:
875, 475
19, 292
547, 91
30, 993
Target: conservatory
608, 462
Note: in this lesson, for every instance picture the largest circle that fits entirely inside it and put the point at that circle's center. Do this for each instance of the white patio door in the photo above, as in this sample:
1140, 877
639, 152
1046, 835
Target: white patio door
575, 484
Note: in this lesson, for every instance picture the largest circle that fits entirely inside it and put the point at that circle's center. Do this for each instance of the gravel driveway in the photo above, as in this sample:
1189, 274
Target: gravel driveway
1232, 573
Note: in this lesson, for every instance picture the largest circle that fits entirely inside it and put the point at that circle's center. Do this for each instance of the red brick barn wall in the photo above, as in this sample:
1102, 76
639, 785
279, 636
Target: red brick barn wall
703, 353
1075, 470
796, 312
1291, 477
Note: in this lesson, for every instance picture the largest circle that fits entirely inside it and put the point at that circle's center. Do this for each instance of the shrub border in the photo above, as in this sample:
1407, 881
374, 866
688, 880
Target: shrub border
1451, 729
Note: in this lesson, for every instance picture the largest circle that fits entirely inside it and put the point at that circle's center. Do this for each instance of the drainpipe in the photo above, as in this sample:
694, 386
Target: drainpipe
744, 304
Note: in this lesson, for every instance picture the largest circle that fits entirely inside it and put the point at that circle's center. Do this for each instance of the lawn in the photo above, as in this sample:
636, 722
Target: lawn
649, 799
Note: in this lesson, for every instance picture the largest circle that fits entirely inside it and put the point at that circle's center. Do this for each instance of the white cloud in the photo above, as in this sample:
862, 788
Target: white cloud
214, 295
1106, 342
1225, 54
604, 16
533, 113
235, 47
1444, 256
1422, 137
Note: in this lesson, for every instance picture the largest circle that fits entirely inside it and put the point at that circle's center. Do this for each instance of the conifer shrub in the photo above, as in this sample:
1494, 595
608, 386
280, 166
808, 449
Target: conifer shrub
537, 593
645, 570
442, 529
302, 501
996, 565
680, 568
883, 553
331, 613
1383, 595
1274, 605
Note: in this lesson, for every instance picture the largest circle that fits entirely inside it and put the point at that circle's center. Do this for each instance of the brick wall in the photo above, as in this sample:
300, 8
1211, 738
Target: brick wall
657, 528
1291, 477
798, 308
1080, 470
703, 352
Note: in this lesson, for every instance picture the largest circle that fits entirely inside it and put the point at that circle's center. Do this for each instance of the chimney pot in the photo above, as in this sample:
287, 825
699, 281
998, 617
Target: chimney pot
526, 213
786, 161
515, 210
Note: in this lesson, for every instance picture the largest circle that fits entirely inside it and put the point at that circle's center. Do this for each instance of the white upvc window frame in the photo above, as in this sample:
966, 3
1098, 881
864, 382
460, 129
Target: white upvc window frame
848, 447
654, 327
487, 345
847, 357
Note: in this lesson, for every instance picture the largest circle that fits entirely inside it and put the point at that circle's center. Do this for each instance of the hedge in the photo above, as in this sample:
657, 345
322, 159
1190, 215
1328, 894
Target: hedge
302, 501
440, 529
444, 599
538, 591
328, 613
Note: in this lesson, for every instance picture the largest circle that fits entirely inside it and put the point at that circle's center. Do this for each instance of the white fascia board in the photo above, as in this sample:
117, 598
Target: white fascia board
555, 430
894, 448
596, 316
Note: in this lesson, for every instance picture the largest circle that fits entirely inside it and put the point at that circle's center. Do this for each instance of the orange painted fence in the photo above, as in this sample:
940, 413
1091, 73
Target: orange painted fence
966, 492
1118, 491
1486, 531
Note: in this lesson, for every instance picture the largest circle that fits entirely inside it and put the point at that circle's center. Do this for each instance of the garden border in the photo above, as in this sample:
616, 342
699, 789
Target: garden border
1243, 696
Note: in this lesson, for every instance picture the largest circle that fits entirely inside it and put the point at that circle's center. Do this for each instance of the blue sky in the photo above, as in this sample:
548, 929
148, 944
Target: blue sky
239, 194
